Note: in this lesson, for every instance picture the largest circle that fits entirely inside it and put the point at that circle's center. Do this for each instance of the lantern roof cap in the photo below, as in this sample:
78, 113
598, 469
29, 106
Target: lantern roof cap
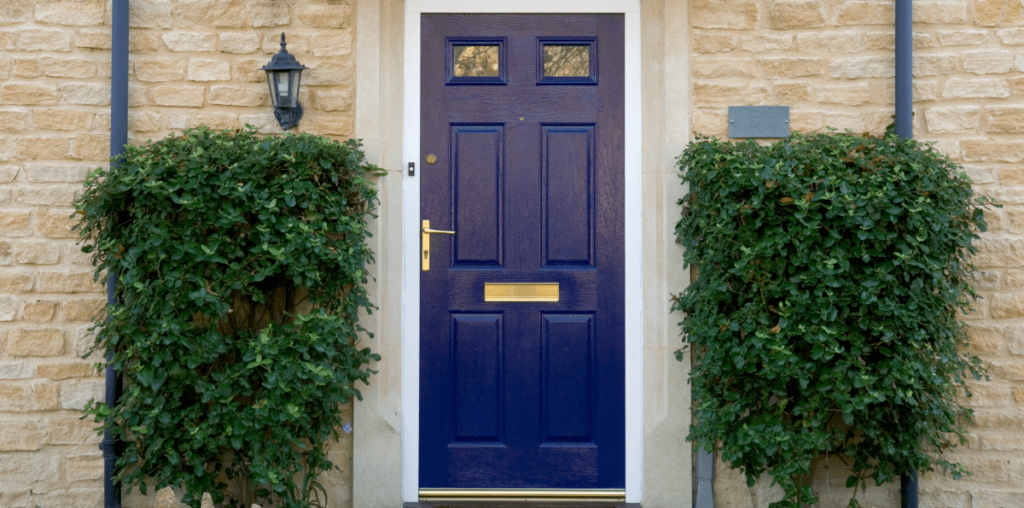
283, 60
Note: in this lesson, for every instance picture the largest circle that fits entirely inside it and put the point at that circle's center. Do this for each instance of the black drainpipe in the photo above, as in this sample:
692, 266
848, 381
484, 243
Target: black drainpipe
118, 139
905, 129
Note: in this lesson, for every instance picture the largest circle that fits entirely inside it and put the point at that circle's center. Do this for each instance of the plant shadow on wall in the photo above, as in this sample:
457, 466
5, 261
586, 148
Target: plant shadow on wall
241, 264
824, 322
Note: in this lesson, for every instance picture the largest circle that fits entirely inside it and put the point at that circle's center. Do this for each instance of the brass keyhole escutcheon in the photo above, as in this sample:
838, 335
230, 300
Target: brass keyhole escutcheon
431, 159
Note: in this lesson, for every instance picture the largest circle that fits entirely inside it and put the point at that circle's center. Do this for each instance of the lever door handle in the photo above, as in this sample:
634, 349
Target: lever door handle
425, 233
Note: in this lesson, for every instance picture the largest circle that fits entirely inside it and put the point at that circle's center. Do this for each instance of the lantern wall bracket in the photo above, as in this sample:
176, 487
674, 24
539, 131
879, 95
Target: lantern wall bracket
288, 117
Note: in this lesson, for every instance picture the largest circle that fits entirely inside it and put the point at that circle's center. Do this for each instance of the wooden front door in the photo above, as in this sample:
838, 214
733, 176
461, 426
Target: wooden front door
522, 308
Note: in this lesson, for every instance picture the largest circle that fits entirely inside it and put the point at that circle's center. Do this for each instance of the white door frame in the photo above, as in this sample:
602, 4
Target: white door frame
411, 223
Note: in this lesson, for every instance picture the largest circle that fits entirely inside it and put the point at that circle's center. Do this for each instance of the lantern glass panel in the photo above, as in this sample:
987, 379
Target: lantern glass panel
283, 89
293, 96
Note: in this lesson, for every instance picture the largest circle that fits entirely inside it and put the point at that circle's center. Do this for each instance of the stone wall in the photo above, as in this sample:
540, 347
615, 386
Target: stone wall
192, 62
832, 62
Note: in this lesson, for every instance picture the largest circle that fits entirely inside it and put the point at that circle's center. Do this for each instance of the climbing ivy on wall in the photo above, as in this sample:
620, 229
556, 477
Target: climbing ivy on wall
241, 264
832, 268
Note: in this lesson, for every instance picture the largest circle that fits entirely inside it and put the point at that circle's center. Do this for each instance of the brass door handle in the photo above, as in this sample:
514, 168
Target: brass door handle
425, 233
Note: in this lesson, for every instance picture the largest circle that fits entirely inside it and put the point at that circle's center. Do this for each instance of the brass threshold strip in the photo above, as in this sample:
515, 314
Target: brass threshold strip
523, 495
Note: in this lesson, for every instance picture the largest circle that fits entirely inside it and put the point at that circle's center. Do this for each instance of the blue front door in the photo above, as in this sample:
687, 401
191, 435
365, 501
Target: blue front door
522, 309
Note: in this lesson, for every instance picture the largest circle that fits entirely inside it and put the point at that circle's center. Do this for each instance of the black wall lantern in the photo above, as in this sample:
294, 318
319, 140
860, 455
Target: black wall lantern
284, 74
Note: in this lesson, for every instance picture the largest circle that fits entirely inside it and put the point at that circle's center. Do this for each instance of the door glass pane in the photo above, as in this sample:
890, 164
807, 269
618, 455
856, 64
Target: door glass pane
475, 61
566, 61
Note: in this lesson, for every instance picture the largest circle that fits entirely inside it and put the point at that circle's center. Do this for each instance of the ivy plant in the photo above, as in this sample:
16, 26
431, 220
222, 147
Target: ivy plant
823, 321
241, 266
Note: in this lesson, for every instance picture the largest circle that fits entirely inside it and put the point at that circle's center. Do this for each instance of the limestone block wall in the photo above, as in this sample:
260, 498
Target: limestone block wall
192, 62
832, 62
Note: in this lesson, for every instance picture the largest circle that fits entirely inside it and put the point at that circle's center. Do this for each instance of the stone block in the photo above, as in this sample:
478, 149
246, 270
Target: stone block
41, 148
28, 94
42, 172
35, 342
26, 68
987, 395
847, 95
729, 14
985, 339
241, 43
1008, 119
93, 39
8, 309
76, 394
83, 309
922, 91
190, 41
149, 14
86, 94
56, 223
333, 100
1007, 369
987, 61
962, 37
27, 468
75, 13
1011, 36
62, 119
992, 150
998, 253
975, 88
1018, 85
159, 69
177, 95
91, 147
1002, 443
142, 42
829, 42
329, 73
226, 95
43, 39
866, 13
789, 67
954, 119
249, 70
333, 43
39, 312
704, 42
997, 13
863, 67
924, 40
136, 98
13, 121
723, 68
15, 11
15, 370
265, 123
217, 121
853, 122
940, 12
766, 43
209, 13
63, 430
209, 70
882, 41
790, 14
74, 282
710, 122
144, 121
329, 124
721, 94
20, 435
38, 252
8, 172
298, 44
337, 16
15, 223
266, 13
83, 468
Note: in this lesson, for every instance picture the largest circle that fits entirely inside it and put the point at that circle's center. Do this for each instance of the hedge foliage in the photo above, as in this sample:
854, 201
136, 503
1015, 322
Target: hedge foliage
241, 264
832, 268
